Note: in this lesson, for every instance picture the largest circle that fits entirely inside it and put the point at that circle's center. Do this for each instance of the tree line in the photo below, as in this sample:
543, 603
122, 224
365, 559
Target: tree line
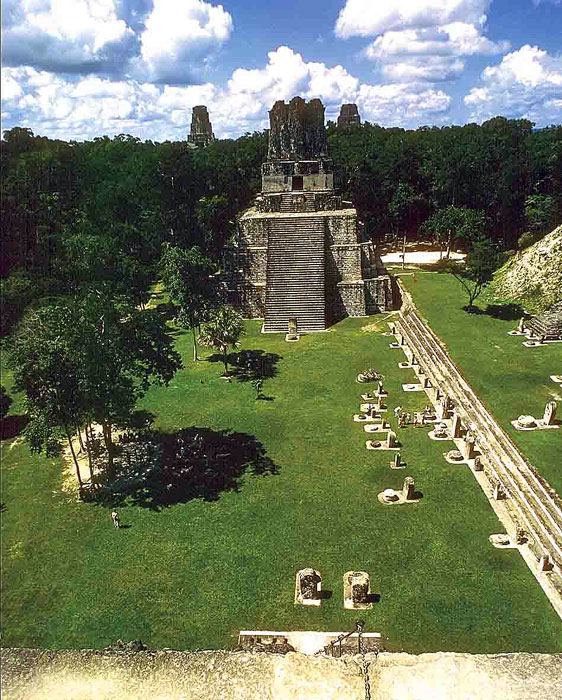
105, 208
88, 227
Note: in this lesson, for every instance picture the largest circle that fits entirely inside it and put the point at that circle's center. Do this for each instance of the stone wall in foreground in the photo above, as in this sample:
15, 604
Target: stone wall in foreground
30, 674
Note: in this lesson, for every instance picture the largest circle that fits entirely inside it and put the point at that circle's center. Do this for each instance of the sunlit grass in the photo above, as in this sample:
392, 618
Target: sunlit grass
192, 575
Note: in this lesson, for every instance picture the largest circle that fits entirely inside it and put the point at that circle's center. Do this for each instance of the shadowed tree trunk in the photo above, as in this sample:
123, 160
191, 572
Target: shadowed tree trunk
69, 436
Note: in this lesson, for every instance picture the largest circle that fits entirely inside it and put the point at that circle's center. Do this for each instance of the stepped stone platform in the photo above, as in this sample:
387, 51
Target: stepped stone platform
299, 254
31, 674
548, 325
530, 502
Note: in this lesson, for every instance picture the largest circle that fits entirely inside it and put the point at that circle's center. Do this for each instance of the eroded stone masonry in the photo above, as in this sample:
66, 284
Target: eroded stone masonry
299, 253
349, 116
201, 133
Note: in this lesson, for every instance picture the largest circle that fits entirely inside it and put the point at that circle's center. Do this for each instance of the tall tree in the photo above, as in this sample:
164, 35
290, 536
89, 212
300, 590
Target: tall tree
43, 356
478, 271
87, 360
186, 275
122, 352
538, 212
454, 223
222, 331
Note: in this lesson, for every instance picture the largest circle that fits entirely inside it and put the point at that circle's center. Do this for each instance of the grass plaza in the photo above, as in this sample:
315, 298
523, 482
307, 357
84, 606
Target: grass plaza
191, 574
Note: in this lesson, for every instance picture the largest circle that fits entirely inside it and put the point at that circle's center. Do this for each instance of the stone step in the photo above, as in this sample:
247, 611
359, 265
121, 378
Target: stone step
295, 274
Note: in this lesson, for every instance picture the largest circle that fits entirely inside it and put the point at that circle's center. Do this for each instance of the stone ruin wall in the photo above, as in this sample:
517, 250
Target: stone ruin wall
346, 261
349, 116
518, 509
33, 674
297, 131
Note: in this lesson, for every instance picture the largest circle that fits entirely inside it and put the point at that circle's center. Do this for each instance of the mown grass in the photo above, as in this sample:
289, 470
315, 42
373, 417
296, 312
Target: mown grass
511, 379
192, 575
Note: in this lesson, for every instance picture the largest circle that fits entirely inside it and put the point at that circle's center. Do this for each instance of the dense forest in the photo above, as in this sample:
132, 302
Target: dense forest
99, 212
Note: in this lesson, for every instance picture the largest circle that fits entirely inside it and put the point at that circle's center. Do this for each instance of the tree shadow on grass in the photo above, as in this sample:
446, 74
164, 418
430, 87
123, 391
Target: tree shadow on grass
157, 470
12, 426
504, 312
249, 365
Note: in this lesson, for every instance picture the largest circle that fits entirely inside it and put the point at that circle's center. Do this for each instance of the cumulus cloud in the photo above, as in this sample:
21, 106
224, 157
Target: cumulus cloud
419, 40
527, 83
179, 35
83, 107
432, 69
368, 18
431, 54
154, 40
78, 36
399, 105
287, 74
455, 39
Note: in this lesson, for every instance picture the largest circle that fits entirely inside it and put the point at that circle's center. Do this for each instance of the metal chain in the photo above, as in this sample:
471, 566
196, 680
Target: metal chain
364, 665
364, 668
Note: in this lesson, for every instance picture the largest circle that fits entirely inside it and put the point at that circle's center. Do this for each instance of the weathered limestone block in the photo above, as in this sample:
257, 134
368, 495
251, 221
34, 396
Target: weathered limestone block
297, 130
308, 586
201, 132
347, 260
357, 590
31, 674
349, 116
342, 228
252, 230
351, 300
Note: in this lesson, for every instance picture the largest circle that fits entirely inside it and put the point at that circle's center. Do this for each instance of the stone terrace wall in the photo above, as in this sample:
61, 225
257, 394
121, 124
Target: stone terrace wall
529, 501
30, 674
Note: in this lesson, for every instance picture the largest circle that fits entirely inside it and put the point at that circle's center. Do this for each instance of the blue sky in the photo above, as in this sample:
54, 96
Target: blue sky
76, 69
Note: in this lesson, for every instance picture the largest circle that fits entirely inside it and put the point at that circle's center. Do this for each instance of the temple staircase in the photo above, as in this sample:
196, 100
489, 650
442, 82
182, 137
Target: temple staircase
287, 206
295, 274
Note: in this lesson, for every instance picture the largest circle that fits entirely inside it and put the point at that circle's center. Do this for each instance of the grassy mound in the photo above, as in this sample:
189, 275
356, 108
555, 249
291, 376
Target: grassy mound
533, 277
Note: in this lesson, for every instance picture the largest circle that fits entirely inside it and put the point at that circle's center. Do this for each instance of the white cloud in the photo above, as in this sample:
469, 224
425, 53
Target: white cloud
415, 38
456, 39
85, 107
527, 83
369, 18
166, 40
431, 54
287, 74
431, 69
75, 35
179, 34
400, 105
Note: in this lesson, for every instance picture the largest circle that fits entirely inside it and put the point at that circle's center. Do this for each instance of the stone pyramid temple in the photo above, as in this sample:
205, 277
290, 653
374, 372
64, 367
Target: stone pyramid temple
298, 254
201, 133
349, 116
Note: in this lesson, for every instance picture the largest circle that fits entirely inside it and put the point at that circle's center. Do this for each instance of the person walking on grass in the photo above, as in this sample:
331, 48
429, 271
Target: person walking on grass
115, 518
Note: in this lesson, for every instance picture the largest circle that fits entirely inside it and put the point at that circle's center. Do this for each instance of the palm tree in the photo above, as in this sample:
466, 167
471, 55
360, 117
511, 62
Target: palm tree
223, 330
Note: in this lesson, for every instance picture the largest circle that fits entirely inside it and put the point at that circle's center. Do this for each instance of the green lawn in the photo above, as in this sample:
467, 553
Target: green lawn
192, 575
509, 378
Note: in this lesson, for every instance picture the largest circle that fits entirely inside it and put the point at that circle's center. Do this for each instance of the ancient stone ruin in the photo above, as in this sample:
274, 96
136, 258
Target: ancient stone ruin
299, 254
357, 590
201, 133
308, 585
349, 116
547, 326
